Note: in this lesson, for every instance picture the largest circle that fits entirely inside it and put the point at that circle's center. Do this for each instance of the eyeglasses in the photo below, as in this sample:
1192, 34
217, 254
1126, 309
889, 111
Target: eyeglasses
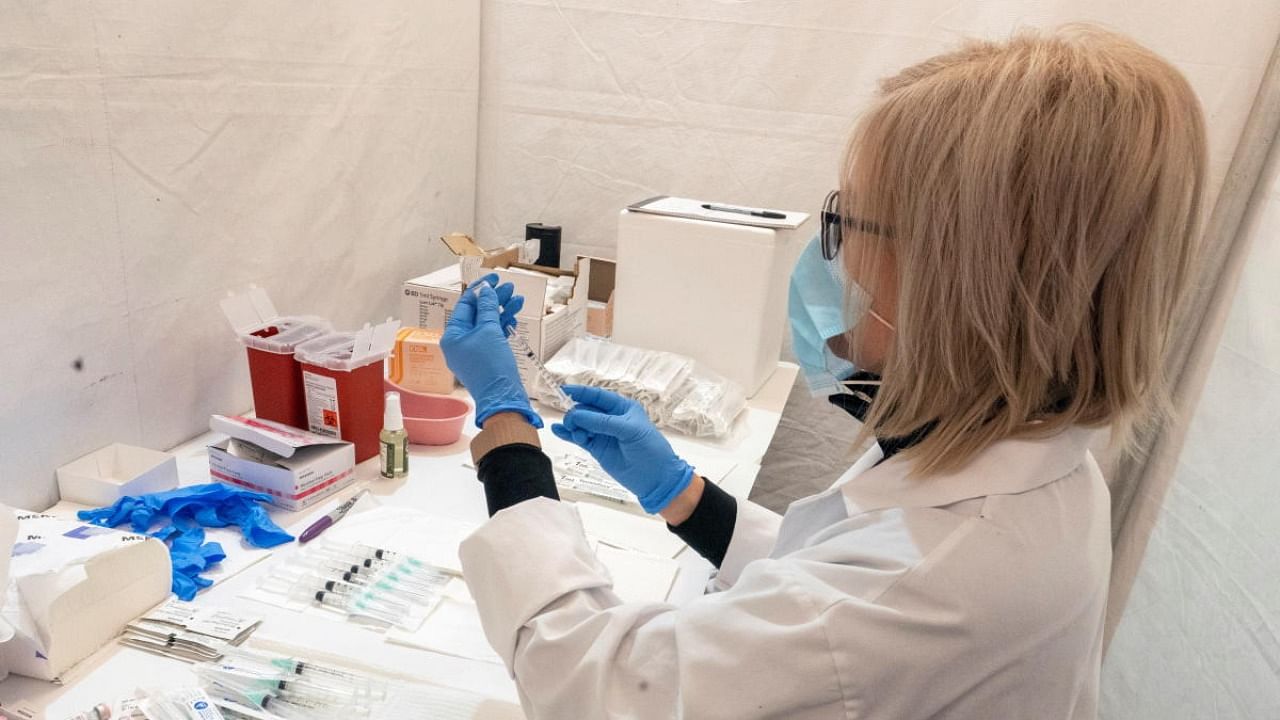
833, 224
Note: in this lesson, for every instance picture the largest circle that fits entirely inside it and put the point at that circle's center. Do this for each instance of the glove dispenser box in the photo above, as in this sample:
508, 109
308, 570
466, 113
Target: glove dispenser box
72, 588
691, 283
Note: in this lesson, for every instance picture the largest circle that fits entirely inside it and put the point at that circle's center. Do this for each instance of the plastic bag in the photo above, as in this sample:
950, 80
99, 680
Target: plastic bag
673, 389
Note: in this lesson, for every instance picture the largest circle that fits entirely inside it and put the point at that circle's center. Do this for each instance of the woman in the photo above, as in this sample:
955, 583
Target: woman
1015, 221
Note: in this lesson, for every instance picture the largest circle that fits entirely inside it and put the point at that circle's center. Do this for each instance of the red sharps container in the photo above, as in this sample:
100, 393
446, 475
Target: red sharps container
342, 381
270, 341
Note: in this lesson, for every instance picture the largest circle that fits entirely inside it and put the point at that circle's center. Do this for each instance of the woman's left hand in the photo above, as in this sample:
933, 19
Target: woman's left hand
476, 350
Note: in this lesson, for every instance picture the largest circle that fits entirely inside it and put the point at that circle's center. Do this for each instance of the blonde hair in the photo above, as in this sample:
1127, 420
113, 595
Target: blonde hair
1040, 198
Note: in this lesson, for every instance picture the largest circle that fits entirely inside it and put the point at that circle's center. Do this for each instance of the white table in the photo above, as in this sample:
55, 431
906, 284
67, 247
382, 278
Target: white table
439, 483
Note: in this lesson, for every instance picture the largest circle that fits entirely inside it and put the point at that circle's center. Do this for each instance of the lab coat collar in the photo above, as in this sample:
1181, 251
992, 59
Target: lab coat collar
1007, 467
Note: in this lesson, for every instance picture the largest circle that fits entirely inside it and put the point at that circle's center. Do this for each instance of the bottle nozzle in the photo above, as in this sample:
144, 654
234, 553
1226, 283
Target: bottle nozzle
392, 417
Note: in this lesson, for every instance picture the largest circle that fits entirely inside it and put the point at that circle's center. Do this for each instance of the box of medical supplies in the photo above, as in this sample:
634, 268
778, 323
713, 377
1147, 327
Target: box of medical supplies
707, 281
417, 362
71, 589
270, 341
555, 305
473, 260
107, 474
342, 379
296, 468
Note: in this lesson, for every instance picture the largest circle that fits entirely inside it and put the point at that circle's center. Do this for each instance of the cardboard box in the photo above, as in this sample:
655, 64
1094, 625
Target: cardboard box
296, 468
600, 293
72, 588
706, 284
427, 301
110, 473
418, 364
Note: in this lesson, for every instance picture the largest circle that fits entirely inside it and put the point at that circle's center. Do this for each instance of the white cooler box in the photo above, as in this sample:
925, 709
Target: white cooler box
711, 285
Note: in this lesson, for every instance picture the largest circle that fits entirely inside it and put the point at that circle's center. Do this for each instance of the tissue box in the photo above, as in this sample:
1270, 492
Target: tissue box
296, 468
72, 588
105, 475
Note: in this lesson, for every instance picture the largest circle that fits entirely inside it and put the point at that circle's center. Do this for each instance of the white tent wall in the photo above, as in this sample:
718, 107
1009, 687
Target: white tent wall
588, 105
157, 154
1200, 635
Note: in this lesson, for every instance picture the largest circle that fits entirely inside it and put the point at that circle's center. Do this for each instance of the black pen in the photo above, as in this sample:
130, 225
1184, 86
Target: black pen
770, 214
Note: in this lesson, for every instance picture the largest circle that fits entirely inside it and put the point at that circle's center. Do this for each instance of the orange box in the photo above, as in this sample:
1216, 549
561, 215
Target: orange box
417, 363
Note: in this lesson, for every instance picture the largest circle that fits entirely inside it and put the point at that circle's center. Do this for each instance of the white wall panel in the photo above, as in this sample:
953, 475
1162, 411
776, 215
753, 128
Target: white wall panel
588, 105
158, 154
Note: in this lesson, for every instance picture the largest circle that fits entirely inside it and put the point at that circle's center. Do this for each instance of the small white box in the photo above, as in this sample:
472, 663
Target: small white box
110, 473
296, 468
427, 302
707, 284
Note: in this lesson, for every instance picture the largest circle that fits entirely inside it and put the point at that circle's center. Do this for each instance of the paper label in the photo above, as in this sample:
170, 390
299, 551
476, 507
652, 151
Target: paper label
46, 544
206, 620
322, 404
584, 475
388, 459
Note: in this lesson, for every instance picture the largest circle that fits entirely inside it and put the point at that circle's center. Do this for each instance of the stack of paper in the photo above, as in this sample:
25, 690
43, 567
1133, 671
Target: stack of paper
188, 631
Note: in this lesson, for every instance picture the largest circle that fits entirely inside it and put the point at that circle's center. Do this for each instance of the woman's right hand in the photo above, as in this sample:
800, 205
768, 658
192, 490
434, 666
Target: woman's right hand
619, 435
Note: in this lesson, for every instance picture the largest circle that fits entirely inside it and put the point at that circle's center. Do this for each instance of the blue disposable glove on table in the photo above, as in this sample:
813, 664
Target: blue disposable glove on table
476, 350
190, 509
619, 435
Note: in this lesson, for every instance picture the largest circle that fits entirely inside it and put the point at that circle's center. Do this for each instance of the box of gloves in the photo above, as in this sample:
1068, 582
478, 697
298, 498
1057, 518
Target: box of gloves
555, 301
296, 468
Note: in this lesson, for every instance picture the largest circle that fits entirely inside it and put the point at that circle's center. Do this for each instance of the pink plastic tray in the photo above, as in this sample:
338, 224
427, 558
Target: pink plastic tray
431, 419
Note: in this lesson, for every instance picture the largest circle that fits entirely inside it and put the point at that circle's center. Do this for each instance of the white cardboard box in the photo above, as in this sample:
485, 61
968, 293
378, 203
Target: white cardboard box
706, 284
107, 474
72, 587
296, 468
427, 302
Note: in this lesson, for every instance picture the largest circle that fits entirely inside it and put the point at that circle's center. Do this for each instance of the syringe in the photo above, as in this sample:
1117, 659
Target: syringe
521, 346
549, 380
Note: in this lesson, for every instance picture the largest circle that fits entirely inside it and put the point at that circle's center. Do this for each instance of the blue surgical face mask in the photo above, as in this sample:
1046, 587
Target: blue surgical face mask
816, 311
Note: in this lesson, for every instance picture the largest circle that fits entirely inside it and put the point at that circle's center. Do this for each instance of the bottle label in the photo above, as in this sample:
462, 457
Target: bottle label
387, 459
394, 459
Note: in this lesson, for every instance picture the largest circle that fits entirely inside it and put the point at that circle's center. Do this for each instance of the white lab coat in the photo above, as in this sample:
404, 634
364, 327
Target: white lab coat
977, 594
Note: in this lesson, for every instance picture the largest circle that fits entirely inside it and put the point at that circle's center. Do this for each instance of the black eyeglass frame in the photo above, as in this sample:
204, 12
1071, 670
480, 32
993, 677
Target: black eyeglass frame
833, 224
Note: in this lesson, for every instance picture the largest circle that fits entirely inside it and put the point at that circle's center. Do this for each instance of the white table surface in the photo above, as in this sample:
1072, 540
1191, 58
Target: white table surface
439, 483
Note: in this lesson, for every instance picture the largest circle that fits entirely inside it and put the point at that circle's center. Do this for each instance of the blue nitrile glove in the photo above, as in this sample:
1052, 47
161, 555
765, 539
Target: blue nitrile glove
476, 350
191, 555
191, 508
619, 435
510, 303
209, 505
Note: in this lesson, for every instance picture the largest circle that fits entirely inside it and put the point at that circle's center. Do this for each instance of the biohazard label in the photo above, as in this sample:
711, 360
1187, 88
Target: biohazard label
322, 404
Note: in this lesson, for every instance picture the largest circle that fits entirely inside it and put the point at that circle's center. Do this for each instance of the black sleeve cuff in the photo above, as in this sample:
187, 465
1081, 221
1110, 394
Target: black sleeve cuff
710, 528
512, 474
